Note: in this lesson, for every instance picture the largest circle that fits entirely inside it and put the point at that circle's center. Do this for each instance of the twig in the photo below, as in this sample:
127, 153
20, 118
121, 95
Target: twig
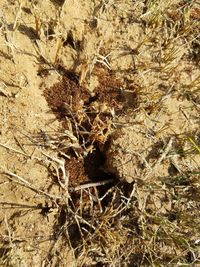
84, 221
8, 229
12, 205
164, 154
107, 193
98, 200
19, 144
24, 182
132, 194
14, 150
85, 186
65, 176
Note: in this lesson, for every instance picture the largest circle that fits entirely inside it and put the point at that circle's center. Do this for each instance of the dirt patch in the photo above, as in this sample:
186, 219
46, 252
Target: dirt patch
67, 92
76, 171
109, 93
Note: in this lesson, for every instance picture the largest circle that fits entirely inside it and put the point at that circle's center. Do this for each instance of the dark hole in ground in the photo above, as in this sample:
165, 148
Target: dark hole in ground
89, 170
93, 163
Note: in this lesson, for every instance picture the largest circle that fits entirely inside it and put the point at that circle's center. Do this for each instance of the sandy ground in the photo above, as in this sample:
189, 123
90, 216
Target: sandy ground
146, 127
